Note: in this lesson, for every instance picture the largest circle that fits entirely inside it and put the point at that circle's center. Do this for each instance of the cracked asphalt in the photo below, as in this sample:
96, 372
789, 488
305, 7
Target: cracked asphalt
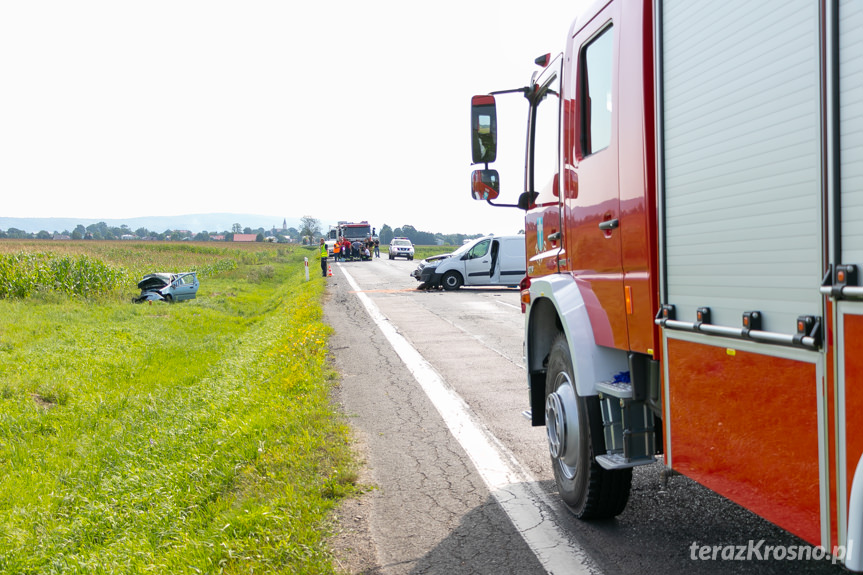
429, 511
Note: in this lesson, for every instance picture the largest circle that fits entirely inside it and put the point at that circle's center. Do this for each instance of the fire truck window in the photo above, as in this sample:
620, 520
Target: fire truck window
545, 139
596, 62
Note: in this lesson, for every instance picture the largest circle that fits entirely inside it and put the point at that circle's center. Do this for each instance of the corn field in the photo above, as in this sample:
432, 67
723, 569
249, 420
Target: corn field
88, 269
24, 274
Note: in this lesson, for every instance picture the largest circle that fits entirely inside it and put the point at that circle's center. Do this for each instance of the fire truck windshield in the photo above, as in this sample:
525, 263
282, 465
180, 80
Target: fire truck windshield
359, 232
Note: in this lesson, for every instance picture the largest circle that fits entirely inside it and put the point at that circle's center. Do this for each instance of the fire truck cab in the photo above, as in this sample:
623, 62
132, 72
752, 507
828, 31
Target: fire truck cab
693, 197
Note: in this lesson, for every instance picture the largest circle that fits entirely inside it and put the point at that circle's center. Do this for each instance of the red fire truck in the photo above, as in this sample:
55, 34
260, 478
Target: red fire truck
693, 192
354, 231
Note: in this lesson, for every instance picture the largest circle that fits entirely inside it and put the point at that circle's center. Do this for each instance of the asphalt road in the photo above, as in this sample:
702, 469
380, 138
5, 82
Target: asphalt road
433, 386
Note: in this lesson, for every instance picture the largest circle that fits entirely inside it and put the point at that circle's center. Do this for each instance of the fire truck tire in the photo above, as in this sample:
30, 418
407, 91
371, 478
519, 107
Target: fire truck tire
575, 436
451, 280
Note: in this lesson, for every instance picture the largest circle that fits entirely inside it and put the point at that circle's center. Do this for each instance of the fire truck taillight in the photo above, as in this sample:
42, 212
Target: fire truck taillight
524, 286
525, 300
752, 320
805, 323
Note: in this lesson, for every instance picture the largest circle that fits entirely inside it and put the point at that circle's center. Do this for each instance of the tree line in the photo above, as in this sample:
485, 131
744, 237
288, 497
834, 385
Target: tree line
102, 231
310, 227
310, 230
421, 238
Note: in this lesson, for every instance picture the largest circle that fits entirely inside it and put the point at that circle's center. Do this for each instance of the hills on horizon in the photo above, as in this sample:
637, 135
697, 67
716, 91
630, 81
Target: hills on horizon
195, 223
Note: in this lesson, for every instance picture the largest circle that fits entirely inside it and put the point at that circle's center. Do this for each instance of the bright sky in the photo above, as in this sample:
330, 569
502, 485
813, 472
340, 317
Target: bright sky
340, 110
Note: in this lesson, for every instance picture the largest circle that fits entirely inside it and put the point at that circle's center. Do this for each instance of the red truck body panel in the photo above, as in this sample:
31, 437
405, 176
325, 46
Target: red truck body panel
747, 450
852, 406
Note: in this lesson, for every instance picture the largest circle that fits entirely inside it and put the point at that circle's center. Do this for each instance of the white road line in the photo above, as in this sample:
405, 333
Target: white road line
511, 485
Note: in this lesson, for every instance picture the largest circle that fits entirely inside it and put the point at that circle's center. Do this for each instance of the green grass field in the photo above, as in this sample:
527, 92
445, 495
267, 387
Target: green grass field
196, 437
422, 252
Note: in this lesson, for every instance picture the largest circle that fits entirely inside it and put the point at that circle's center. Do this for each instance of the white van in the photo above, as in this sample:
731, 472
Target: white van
487, 261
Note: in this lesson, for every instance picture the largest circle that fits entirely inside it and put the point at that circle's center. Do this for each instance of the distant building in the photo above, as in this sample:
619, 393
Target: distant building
61, 237
245, 237
283, 231
218, 238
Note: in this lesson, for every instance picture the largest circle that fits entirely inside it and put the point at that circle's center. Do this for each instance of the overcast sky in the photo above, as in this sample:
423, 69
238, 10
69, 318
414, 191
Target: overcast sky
337, 110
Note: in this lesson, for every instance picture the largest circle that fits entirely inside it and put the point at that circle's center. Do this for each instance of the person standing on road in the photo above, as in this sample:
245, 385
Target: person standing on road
323, 258
377, 248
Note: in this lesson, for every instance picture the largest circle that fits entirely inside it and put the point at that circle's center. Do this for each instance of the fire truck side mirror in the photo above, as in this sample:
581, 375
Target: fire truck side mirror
484, 184
483, 128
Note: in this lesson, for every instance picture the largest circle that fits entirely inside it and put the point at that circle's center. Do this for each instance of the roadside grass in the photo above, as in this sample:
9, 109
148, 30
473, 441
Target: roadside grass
188, 438
422, 252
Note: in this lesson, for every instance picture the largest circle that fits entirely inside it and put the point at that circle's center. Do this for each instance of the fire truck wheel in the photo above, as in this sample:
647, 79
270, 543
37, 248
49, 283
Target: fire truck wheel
451, 280
574, 427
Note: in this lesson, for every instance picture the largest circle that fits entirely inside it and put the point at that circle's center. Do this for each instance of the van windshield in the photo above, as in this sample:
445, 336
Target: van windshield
463, 249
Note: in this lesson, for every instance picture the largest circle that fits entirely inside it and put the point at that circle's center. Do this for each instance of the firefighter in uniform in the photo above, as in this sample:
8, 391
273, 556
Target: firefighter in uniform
323, 258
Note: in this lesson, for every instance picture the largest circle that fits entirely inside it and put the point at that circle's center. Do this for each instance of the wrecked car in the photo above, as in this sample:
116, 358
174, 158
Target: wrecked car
168, 287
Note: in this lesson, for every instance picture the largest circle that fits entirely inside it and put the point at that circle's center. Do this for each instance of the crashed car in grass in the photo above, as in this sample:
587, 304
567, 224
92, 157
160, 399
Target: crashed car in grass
168, 287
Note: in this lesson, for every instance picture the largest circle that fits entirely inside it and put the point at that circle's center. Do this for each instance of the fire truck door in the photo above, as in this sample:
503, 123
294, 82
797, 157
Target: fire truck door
594, 244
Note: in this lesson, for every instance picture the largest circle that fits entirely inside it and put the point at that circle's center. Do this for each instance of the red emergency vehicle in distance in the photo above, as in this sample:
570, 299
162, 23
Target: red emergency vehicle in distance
354, 231
693, 245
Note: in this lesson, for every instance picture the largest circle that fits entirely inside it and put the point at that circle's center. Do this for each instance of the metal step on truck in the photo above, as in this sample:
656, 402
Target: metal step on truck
693, 198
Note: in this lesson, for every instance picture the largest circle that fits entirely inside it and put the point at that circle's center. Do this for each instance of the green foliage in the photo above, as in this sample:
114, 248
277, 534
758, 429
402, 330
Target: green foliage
422, 238
90, 269
422, 252
188, 438
385, 234
261, 273
24, 274
310, 227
